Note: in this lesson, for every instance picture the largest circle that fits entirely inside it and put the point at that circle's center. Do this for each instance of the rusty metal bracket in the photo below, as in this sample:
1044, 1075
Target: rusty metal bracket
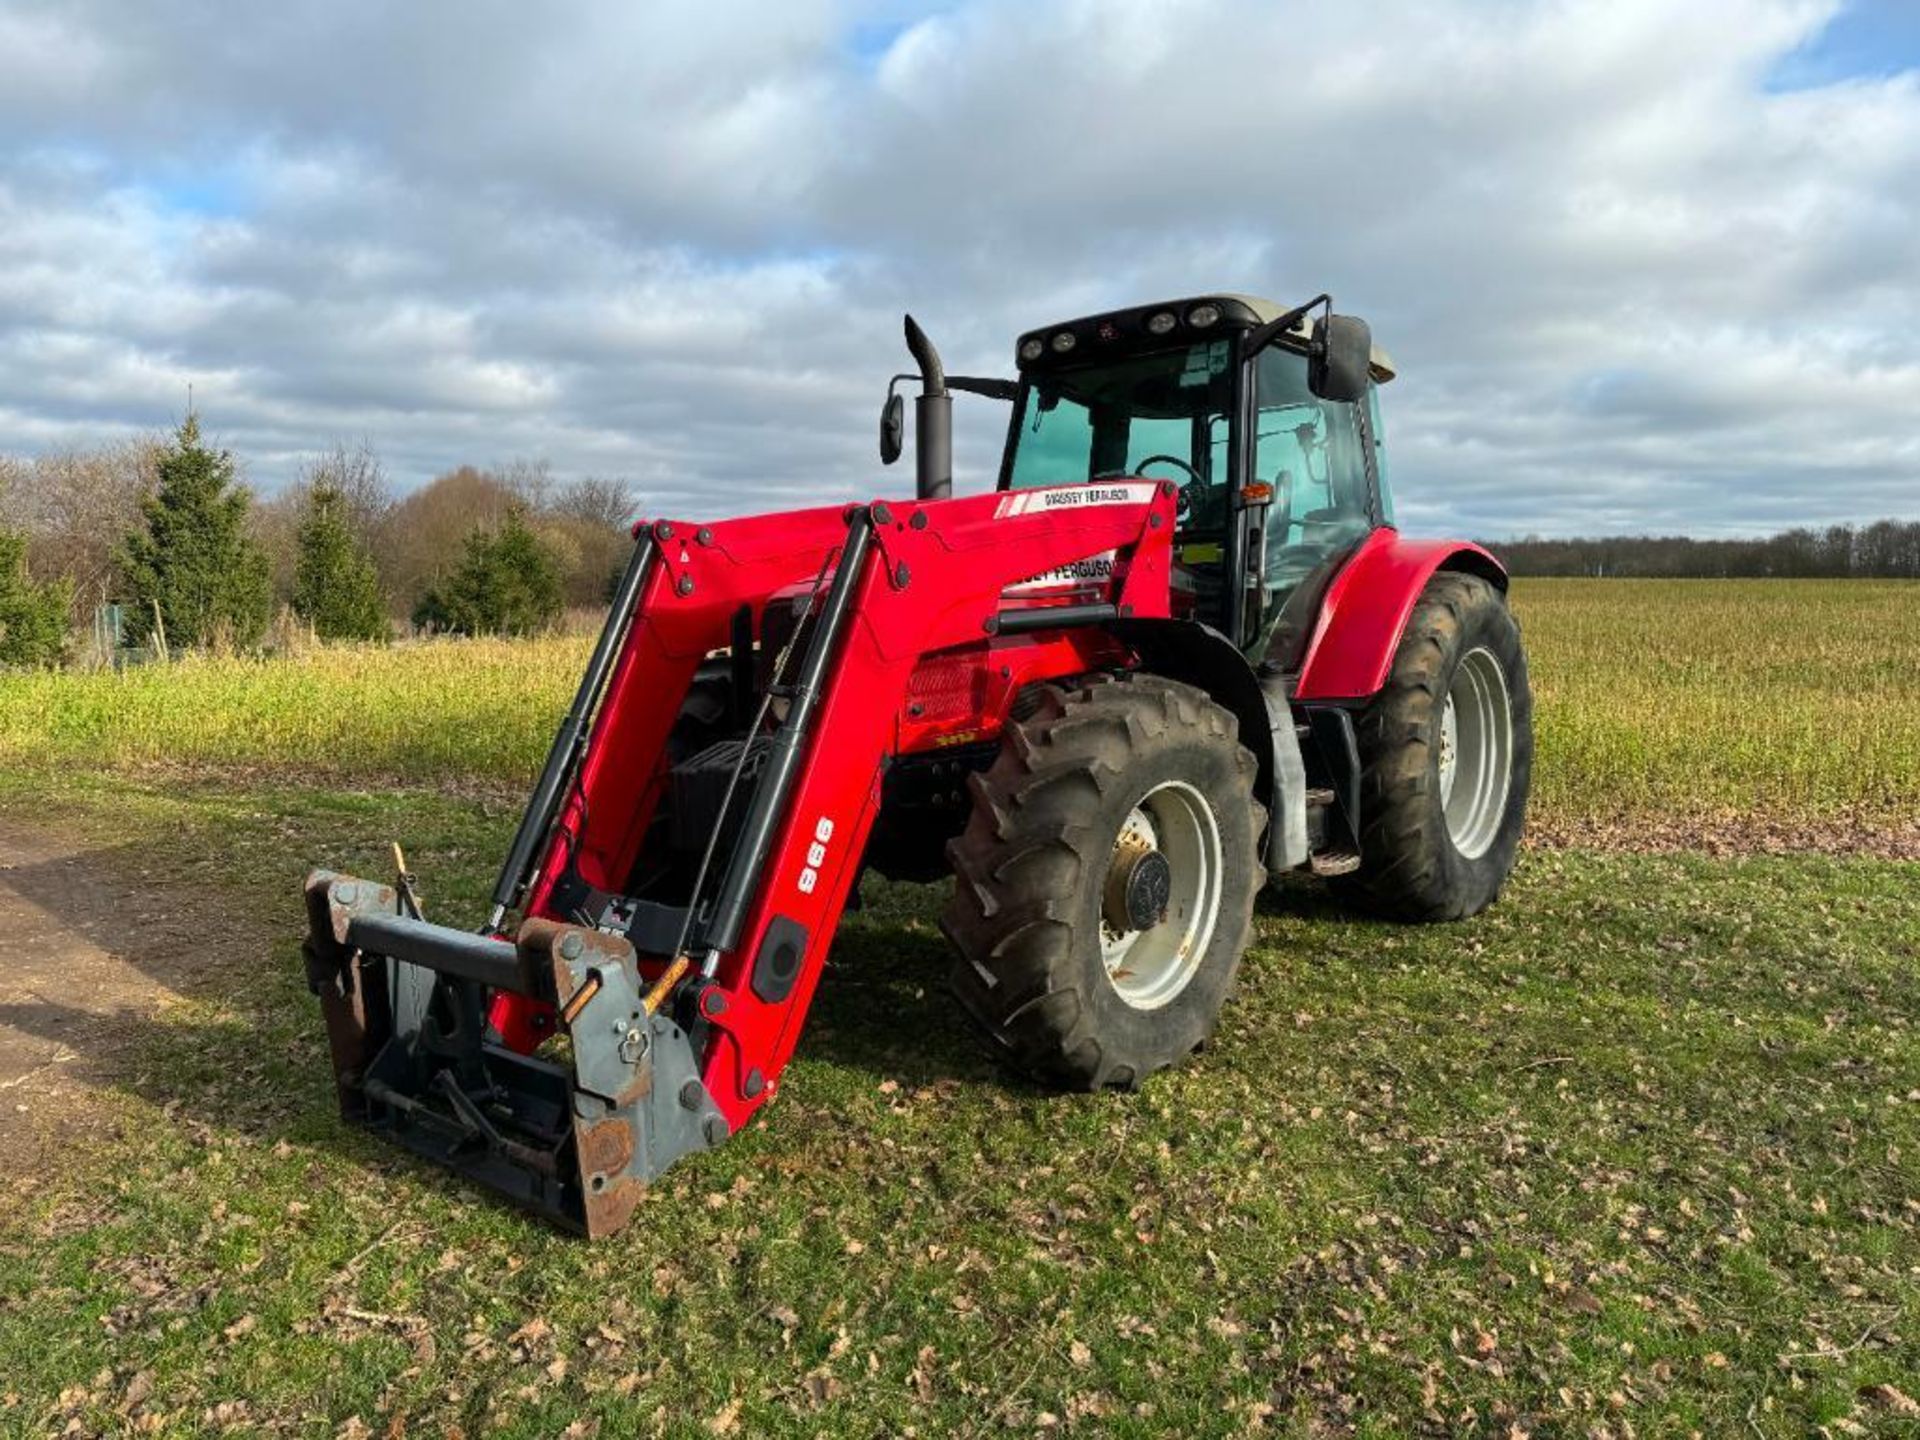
577, 1136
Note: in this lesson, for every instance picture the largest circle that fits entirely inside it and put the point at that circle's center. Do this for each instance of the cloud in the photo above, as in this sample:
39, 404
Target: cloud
1642, 266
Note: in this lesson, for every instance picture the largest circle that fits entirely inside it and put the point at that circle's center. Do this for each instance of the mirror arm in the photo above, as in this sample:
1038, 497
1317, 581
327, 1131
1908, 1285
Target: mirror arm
1260, 337
991, 388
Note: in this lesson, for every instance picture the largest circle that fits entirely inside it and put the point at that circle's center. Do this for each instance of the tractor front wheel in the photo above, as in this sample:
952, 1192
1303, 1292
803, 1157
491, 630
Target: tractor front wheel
1446, 751
1104, 884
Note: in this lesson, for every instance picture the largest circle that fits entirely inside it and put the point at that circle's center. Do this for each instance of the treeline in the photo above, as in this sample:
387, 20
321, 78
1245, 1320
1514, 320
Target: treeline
167, 530
1884, 550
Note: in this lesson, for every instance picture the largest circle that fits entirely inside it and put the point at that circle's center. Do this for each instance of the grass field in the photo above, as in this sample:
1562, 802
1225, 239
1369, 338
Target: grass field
1634, 1153
1657, 699
1667, 698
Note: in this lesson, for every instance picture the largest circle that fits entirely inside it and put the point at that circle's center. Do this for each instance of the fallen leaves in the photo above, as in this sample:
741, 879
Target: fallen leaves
1891, 1398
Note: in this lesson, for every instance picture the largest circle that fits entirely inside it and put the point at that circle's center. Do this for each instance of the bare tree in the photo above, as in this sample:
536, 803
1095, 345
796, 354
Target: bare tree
425, 534
1886, 549
531, 480
356, 473
74, 505
598, 500
353, 470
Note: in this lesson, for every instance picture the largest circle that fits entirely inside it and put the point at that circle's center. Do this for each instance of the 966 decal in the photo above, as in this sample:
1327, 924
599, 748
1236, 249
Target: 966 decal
816, 855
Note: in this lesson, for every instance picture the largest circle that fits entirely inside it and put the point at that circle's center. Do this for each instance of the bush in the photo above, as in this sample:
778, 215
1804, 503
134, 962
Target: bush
33, 618
506, 584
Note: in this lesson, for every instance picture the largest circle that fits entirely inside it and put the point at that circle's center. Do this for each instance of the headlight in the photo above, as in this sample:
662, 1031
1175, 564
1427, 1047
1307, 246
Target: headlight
1064, 341
1201, 316
1032, 349
1163, 322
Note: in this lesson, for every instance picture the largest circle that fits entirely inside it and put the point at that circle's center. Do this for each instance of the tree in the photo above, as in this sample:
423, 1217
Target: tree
193, 557
74, 506
425, 536
355, 472
506, 584
335, 587
33, 617
597, 500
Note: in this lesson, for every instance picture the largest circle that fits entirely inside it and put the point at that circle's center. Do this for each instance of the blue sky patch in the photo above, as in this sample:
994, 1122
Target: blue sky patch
208, 194
1869, 39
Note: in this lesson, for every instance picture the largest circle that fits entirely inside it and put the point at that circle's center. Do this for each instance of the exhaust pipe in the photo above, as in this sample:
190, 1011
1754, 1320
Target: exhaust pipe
932, 420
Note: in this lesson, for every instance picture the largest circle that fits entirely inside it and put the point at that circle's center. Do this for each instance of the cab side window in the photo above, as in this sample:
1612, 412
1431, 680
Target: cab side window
1311, 452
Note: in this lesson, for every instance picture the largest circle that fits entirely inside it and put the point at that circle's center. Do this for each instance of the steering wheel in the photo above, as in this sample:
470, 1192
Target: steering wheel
1183, 502
1192, 474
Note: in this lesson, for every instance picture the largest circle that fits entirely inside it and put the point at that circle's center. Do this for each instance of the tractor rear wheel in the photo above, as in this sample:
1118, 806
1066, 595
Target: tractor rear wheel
1104, 885
1446, 753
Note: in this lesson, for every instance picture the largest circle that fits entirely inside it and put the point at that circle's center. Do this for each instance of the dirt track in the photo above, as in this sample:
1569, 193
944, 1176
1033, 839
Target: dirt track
92, 946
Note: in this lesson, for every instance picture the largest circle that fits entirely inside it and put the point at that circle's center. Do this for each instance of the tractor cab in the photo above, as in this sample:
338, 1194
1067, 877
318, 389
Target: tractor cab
1264, 419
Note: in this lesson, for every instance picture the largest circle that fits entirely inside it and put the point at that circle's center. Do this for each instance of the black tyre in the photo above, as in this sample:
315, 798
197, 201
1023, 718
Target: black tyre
1446, 754
1104, 885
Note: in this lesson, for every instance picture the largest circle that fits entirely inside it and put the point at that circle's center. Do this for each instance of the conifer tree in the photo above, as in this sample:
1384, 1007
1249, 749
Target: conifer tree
33, 617
191, 557
335, 586
506, 584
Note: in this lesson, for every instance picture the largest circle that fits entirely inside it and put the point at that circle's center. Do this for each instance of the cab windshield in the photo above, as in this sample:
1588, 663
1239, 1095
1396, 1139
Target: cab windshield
1163, 415
1166, 415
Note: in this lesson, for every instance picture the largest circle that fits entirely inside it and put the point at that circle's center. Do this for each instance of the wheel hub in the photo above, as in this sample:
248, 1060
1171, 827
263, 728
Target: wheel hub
1161, 895
1139, 884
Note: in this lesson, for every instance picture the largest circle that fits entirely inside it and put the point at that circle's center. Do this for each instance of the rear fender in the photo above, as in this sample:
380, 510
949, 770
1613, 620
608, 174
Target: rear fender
1201, 656
1367, 606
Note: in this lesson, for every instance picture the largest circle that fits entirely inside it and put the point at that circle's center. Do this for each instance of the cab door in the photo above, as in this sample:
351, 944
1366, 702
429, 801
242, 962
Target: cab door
1315, 458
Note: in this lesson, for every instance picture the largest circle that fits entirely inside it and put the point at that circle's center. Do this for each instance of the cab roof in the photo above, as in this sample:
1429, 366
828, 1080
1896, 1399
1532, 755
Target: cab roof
1236, 312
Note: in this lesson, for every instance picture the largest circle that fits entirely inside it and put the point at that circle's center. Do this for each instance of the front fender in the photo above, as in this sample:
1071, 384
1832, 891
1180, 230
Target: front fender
1366, 608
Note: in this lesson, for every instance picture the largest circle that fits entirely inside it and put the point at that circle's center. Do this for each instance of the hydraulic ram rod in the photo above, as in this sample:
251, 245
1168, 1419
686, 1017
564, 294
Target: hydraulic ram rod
568, 739
783, 758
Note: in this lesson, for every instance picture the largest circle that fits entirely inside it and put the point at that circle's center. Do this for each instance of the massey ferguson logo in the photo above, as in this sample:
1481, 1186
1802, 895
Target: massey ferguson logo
1074, 497
1094, 571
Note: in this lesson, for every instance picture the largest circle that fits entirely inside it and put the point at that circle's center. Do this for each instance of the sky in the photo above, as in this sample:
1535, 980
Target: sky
1643, 266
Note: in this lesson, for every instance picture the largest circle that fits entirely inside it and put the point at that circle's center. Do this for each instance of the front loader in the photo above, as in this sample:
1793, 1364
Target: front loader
1179, 650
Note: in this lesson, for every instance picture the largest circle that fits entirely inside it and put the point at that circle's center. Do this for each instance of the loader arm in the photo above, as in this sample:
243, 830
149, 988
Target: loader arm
681, 1010
924, 588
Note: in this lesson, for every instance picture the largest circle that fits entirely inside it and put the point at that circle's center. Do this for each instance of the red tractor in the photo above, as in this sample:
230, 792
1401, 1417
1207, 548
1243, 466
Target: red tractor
1178, 650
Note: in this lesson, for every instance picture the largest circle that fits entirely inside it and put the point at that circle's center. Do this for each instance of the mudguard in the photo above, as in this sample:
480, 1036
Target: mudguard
1366, 608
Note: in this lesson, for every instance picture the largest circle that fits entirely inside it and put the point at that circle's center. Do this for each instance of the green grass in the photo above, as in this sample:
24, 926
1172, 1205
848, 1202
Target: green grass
1656, 699
1633, 1153
1635, 1148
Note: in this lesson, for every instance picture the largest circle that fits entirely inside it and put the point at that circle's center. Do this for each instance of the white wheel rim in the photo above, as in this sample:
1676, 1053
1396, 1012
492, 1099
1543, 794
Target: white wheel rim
1149, 967
1476, 752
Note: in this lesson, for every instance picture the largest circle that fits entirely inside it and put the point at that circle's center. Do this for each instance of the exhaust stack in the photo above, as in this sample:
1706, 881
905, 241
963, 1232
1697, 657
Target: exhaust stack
932, 420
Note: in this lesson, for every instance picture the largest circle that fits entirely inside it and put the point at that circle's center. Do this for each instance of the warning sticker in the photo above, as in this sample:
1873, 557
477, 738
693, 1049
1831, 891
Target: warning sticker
1203, 363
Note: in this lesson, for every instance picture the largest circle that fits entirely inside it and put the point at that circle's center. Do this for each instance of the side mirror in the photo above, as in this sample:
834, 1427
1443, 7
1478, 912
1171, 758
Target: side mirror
1341, 358
893, 428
